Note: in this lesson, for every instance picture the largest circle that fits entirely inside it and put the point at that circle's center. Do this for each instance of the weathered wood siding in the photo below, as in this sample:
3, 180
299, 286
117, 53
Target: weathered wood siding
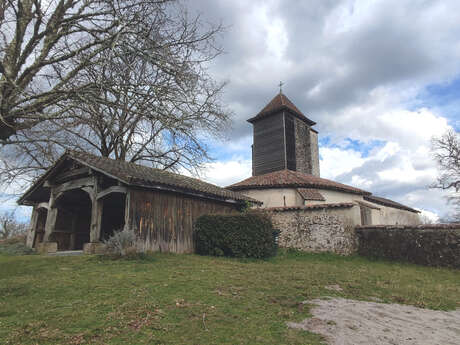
290, 142
164, 221
269, 146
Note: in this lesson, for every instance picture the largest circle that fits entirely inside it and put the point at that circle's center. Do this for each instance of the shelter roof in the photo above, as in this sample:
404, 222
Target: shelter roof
138, 175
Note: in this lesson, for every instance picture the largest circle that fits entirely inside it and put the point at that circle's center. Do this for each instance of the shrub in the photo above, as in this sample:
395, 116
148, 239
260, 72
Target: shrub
15, 246
247, 235
121, 243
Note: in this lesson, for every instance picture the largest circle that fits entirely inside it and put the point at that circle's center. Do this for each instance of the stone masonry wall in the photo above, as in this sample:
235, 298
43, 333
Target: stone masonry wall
302, 147
314, 153
317, 229
429, 244
306, 149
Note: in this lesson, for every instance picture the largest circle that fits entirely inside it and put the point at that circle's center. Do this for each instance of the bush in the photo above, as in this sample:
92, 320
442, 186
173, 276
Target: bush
121, 243
248, 235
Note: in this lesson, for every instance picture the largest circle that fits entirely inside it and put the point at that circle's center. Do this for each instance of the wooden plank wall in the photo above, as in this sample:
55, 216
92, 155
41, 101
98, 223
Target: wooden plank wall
164, 221
269, 147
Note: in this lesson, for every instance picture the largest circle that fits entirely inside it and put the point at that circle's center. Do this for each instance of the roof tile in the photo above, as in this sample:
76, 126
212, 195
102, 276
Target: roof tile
310, 194
295, 179
278, 103
143, 176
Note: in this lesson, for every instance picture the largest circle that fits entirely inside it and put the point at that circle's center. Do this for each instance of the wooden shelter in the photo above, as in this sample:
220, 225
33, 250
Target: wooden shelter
82, 199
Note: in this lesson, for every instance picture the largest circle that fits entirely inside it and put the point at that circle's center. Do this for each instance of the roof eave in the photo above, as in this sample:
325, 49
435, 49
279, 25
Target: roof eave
305, 185
262, 115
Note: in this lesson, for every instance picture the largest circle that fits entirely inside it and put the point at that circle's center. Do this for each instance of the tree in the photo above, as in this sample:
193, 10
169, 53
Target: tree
39, 44
447, 154
148, 99
9, 226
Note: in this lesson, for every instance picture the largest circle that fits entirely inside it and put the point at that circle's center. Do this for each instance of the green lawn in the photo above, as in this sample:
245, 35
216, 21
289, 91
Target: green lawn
188, 299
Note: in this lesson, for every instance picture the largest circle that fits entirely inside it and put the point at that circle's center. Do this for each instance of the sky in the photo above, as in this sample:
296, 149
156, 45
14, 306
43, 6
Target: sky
380, 78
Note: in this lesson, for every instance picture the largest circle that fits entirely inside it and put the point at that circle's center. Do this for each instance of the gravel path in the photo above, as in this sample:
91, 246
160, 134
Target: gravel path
348, 322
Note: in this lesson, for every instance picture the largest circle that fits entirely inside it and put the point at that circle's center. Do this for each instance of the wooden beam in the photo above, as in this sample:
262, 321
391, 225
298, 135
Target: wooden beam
33, 228
113, 189
96, 213
50, 217
71, 174
75, 184
128, 211
43, 205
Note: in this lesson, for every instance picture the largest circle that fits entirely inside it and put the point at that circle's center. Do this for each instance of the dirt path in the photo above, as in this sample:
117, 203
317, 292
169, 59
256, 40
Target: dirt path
349, 322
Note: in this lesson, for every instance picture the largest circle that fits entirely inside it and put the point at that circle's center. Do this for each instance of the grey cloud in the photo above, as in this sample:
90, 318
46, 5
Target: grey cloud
400, 42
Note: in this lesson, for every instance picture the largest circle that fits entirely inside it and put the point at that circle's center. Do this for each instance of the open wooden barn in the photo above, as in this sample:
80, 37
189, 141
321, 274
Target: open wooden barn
82, 199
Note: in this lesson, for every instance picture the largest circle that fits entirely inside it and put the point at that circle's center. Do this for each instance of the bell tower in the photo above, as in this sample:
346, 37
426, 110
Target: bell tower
283, 139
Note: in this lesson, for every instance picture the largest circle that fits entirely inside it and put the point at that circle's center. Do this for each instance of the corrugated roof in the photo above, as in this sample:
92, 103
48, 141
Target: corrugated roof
278, 103
138, 175
295, 179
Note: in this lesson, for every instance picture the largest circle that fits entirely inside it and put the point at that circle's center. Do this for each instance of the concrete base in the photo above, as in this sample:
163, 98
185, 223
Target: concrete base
94, 248
46, 247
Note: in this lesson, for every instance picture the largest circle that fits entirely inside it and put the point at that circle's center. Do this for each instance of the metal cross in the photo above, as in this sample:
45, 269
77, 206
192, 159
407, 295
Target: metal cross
281, 86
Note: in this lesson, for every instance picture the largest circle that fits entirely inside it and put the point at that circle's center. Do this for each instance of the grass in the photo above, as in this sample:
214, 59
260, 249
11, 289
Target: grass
189, 299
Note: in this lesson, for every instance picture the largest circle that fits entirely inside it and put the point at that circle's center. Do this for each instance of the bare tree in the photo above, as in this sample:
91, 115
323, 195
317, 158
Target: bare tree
9, 226
39, 44
149, 99
447, 154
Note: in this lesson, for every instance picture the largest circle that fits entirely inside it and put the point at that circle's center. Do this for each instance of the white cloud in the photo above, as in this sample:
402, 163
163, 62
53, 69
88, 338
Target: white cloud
336, 161
429, 217
227, 173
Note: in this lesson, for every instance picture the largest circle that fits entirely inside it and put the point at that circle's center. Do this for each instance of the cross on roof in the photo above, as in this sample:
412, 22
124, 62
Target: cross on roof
281, 86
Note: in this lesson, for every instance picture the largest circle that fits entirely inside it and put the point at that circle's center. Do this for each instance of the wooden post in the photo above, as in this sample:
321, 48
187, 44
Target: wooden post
96, 214
50, 217
33, 228
127, 211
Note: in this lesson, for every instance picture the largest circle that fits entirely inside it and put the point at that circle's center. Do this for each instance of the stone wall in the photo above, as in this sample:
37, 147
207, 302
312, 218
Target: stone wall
431, 245
317, 228
302, 147
314, 153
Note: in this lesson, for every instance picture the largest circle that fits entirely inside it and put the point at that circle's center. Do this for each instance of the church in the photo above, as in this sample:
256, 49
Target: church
82, 199
286, 171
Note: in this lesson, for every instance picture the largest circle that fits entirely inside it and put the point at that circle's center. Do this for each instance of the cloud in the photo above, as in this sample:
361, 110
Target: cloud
227, 173
366, 71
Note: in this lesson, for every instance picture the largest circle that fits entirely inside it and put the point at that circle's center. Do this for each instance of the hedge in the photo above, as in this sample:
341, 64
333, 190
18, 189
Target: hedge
246, 235
430, 245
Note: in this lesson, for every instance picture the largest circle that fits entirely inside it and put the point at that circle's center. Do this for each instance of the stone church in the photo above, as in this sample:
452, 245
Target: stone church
286, 179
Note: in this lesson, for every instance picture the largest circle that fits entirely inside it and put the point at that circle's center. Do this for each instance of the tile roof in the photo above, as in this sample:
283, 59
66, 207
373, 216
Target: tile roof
388, 202
278, 103
295, 179
310, 194
311, 207
137, 175
366, 204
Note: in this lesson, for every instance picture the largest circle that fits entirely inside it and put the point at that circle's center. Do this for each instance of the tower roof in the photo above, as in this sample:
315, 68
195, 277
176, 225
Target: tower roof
279, 103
